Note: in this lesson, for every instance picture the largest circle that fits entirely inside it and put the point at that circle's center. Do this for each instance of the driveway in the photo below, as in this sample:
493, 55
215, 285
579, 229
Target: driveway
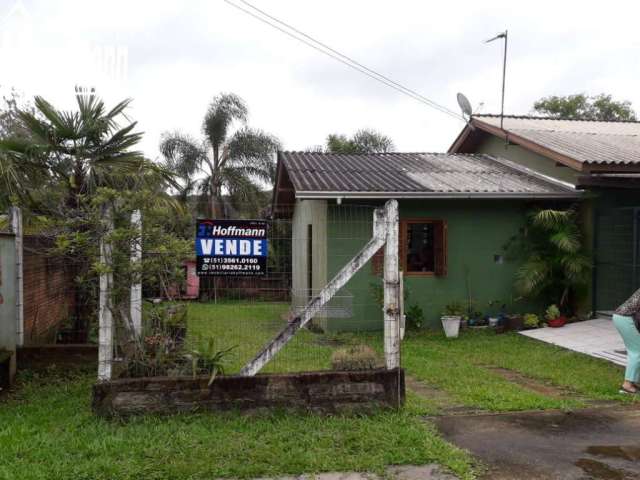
602, 443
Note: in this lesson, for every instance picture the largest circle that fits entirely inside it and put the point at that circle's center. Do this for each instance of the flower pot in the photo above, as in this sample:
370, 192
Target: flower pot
451, 325
557, 322
515, 322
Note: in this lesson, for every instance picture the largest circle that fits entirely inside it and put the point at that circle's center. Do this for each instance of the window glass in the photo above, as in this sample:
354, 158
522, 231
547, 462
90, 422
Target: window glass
420, 247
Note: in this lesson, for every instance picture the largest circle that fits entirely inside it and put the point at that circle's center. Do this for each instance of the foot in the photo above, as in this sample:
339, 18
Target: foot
629, 387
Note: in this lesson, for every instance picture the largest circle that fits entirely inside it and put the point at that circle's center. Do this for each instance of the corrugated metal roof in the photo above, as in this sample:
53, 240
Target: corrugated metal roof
585, 141
431, 174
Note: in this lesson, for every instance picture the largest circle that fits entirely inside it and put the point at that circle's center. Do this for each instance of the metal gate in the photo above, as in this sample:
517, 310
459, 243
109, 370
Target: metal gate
617, 256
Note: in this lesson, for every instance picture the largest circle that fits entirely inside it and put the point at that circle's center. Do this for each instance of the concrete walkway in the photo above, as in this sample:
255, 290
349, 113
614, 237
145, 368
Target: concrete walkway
597, 338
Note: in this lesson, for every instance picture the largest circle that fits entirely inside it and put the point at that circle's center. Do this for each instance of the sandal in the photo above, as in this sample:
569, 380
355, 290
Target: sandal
624, 391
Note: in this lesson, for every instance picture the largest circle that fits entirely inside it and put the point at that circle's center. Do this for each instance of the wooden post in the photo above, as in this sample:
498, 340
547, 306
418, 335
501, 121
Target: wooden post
105, 314
316, 303
391, 288
136, 287
15, 215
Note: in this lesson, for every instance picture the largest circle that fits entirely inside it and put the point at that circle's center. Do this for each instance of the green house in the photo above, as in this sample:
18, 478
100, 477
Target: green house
601, 158
457, 212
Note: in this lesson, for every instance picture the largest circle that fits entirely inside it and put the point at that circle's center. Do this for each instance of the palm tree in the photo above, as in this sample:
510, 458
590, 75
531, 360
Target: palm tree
78, 150
555, 265
223, 163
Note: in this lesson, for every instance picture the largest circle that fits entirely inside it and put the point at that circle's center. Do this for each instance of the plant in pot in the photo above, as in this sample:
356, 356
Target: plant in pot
554, 318
451, 317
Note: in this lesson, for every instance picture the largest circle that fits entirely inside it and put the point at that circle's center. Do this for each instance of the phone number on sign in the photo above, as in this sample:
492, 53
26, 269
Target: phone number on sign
232, 261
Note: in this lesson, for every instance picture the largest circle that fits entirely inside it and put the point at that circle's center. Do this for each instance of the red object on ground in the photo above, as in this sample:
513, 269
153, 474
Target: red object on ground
557, 322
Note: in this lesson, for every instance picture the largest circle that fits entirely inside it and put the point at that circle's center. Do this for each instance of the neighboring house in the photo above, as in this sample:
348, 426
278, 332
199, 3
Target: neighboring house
601, 157
456, 211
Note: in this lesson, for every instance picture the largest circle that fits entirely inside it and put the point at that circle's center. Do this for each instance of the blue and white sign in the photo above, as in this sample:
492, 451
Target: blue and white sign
231, 247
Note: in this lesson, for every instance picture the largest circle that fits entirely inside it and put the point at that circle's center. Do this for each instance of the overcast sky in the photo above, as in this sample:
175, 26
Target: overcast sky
174, 56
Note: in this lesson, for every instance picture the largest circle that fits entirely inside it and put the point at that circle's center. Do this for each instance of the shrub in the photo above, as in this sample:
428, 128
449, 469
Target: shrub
531, 320
355, 357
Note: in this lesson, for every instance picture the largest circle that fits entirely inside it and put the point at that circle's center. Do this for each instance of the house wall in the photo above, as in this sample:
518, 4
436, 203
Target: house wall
477, 230
496, 146
49, 292
308, 212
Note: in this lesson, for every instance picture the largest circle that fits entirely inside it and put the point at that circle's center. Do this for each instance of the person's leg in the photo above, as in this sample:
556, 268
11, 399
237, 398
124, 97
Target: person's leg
631, 338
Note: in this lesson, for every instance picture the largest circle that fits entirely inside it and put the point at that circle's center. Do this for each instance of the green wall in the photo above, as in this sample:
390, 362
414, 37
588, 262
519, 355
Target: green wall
496, 146
477, 230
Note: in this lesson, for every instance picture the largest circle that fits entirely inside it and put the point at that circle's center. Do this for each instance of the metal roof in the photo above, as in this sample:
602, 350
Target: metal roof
586, 141
419, 175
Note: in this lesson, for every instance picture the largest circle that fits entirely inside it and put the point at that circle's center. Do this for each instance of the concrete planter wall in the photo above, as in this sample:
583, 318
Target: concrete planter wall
316, 391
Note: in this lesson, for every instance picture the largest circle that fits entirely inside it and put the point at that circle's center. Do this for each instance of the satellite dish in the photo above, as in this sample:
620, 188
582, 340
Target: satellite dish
465, 105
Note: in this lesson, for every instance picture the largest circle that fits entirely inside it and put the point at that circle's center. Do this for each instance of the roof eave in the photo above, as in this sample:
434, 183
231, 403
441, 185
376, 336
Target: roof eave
328, 195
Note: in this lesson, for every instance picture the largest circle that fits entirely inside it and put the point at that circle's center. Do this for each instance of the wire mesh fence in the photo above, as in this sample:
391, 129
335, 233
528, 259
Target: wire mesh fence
308, 244
198, 324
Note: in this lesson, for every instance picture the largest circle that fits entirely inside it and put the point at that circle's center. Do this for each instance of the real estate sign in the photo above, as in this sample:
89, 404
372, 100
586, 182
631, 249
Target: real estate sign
231, 247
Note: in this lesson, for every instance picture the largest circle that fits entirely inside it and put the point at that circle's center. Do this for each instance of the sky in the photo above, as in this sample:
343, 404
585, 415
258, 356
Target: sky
173, 57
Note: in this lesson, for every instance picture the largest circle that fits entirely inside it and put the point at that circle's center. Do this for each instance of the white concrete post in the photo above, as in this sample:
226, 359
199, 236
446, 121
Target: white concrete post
391, 288
105, 314
15, 216
136, 287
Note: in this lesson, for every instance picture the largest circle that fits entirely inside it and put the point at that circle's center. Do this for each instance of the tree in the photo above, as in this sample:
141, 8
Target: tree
363, 141
232, 164
555, 266
583, 107
78, 151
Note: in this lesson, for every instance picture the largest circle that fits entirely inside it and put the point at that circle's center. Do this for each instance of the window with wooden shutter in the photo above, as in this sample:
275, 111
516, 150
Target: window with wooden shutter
440, 247
423, 246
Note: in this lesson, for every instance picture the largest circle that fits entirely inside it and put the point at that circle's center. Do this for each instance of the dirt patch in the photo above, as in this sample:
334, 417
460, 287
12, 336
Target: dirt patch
545, 388
442, 400
531, 384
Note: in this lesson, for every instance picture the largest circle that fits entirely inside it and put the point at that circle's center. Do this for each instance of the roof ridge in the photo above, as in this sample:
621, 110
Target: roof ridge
547, 117
303, 152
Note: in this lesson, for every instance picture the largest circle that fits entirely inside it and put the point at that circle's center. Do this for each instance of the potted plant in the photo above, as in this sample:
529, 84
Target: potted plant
554, 318
451, 317
531, 321
515, 321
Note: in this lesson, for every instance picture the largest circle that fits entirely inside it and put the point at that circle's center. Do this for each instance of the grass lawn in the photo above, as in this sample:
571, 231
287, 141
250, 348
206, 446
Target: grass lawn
47, 430
462, 368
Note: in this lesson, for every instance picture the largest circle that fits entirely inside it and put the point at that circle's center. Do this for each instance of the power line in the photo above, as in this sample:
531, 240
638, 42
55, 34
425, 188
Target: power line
344, 59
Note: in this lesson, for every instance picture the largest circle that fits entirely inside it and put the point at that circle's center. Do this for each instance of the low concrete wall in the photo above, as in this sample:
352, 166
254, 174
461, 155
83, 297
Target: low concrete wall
324, 392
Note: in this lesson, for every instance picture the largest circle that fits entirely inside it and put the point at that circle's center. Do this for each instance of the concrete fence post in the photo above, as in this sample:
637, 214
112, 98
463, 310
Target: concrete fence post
15, 216
136, 286
391, 288
105, 313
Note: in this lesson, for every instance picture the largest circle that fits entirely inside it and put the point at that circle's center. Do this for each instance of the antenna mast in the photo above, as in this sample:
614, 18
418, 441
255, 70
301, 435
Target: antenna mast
505, 36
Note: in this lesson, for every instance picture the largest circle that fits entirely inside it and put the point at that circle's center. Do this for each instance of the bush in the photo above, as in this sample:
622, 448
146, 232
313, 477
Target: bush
355, 357
531, 320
